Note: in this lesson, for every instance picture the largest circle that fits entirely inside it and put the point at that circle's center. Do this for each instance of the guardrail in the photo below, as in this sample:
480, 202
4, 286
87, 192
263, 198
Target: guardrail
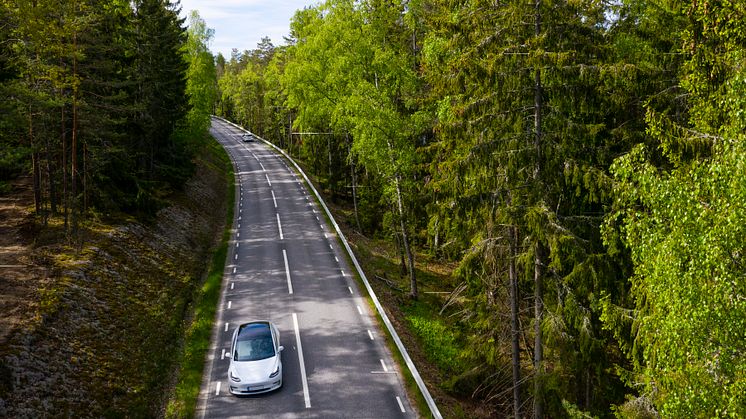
402, 350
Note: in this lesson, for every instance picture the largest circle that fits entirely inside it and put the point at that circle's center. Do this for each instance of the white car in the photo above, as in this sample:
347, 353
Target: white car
247, 137
255, 365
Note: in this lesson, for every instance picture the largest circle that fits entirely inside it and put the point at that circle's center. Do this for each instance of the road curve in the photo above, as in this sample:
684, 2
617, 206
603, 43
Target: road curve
284, 265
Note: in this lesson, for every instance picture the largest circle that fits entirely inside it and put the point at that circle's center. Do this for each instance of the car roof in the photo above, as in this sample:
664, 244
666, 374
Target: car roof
254, 330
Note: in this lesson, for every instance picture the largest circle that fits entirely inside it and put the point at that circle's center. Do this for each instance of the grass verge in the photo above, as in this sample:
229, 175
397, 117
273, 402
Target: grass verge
197, 338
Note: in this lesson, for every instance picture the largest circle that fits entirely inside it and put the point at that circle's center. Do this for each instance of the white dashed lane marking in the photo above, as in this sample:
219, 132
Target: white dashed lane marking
401, 405
279, 226
287, 271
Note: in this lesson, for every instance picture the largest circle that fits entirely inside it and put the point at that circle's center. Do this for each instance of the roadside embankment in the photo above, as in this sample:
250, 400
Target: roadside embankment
105, 334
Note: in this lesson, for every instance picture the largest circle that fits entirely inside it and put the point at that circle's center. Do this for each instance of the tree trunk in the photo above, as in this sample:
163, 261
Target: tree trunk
538, 103
74, 148
413, 293
514, 330
539, 255
50, 179
587, 389
84, 178
538, 343
353, 174
65, 197
332, 190
400, 250
36, 173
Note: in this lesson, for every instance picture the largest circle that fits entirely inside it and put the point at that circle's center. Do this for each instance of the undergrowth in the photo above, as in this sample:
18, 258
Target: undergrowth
438, 341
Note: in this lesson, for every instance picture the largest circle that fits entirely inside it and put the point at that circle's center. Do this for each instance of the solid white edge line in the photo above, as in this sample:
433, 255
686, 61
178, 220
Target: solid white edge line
217, 389
268, 181
306, 396
279, 226
287, 271
401, 405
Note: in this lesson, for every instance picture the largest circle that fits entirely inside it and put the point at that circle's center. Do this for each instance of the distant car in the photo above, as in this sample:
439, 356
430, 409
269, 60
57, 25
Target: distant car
255, 365
247, 137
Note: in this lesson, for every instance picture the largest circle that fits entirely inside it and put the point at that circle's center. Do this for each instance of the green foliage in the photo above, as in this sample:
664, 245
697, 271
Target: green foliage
93, 93
686, 229
201, 76
568, 140
438, 341
683, 221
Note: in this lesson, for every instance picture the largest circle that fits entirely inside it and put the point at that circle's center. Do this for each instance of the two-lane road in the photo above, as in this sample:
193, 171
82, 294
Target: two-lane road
284, 265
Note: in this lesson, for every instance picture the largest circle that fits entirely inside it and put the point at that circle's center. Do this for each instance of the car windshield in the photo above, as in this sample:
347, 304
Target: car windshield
254, 342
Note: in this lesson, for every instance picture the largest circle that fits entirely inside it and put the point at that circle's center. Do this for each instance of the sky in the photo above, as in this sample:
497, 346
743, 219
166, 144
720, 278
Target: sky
241, 24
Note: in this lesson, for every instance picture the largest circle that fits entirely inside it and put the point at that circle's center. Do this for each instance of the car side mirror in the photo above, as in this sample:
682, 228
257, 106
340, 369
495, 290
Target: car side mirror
281, 348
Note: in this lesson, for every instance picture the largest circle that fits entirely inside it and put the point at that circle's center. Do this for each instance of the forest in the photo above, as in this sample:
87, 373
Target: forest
112, 201
581, 163
101, 103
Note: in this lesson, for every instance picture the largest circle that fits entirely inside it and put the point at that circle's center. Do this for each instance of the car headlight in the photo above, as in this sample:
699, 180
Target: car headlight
274, 374
234, 377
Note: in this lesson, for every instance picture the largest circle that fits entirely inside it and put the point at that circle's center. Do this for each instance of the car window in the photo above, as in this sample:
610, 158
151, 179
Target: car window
254, 349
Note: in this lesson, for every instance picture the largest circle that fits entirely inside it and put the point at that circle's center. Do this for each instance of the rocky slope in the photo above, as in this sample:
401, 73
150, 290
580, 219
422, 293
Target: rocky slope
96, 331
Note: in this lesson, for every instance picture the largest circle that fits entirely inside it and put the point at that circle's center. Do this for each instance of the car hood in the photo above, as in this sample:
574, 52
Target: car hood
255, 371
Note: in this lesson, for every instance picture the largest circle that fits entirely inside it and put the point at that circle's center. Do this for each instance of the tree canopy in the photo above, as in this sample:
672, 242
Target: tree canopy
102, 99
580, 162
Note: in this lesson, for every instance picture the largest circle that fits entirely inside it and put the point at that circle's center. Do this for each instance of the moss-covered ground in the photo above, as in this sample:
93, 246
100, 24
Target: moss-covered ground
107, 335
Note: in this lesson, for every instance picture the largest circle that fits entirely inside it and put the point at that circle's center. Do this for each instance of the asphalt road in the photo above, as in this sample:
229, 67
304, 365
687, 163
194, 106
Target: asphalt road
284, 265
